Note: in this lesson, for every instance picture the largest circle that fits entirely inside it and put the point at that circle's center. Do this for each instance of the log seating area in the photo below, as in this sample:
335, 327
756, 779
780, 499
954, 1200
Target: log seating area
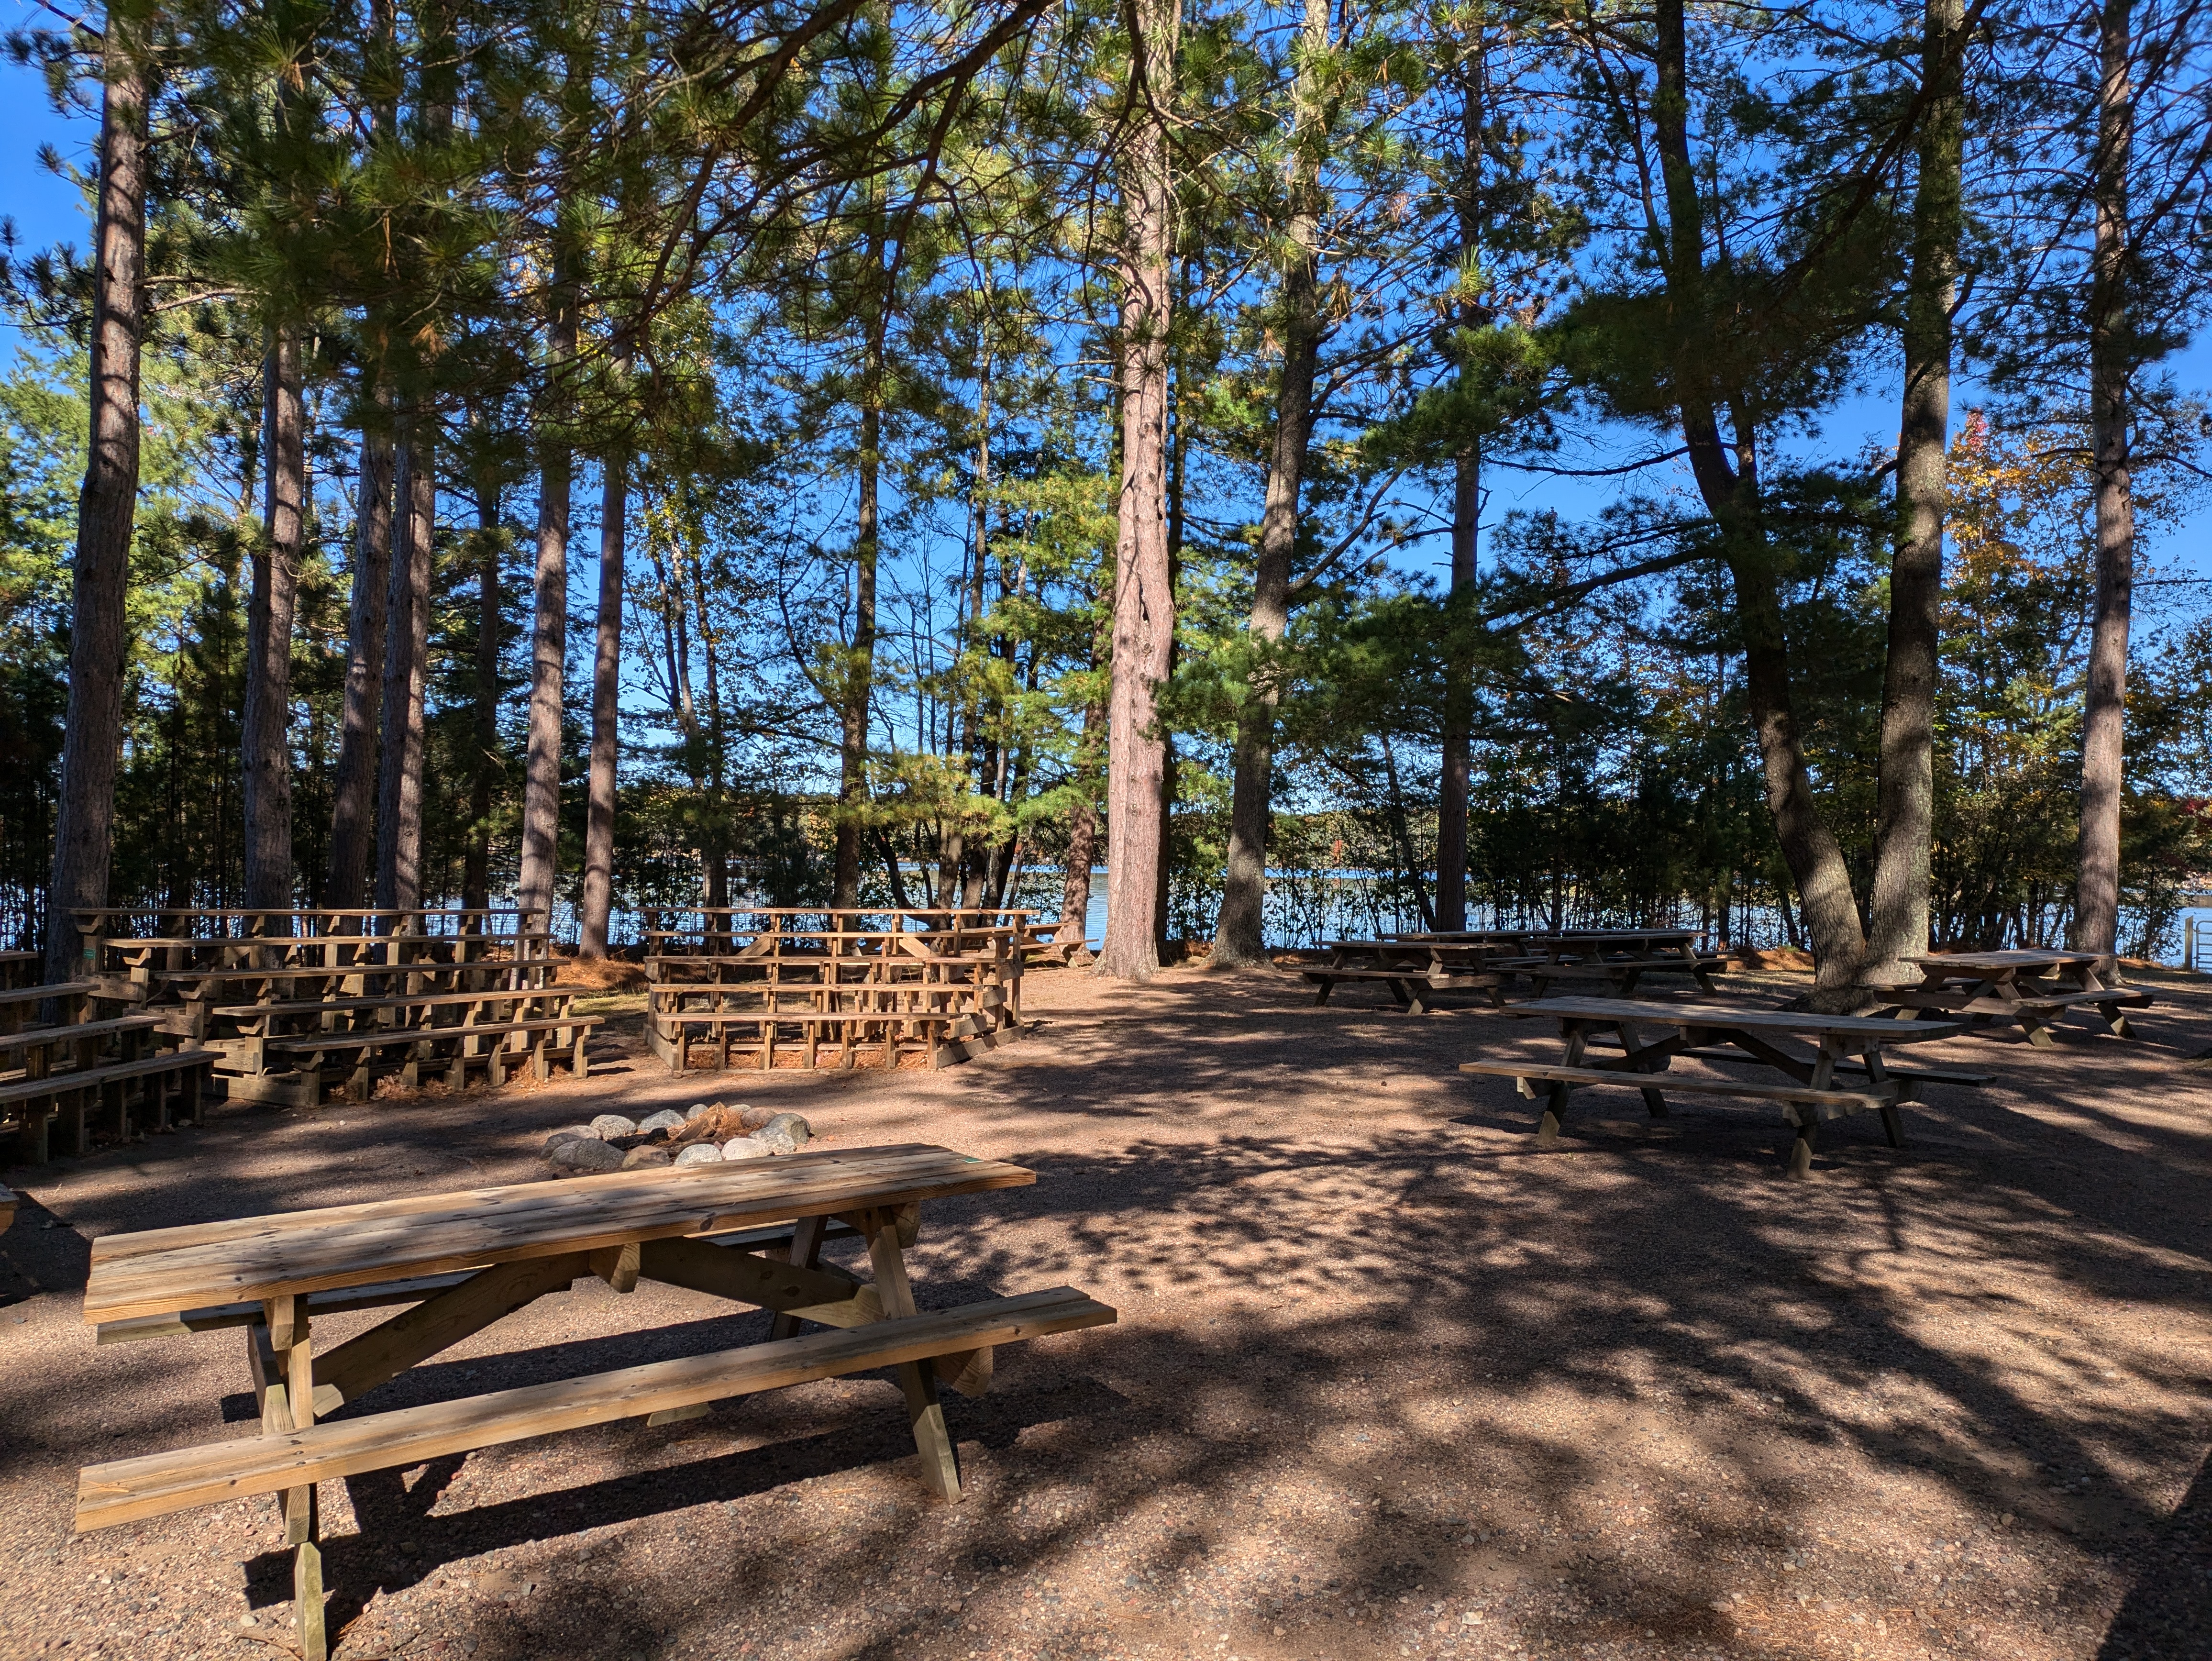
64, 1059
764, 987
295, 1005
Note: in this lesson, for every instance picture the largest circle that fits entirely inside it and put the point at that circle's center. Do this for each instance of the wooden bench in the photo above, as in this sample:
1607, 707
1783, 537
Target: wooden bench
459, 1045
474, 1258
172, 1084
16, 1000
1916, 1071
2030, 986
942, 1035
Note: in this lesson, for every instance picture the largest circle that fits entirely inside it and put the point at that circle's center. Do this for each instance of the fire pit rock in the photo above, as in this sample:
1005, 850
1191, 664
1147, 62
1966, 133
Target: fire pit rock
706, 1134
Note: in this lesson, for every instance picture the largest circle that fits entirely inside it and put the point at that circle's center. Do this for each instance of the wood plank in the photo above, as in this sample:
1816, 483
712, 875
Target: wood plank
356, 1367
1722, 1017
154, 1484
7, 1208
216, 1317
1677, 1084
805, 1294
163, 1270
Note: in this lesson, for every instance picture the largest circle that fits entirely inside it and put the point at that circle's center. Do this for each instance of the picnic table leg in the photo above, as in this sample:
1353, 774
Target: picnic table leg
1555, 1099
1801, 1150
1654, 1099
283, 1357
1893, 1123
940, 1462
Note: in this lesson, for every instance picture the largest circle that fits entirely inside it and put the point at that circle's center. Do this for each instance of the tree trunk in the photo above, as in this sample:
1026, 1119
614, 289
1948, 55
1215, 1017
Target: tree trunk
476, 861
606, 696
1729, 487
1238, 927
106, 508
2097, 893
406, 671
1459, 705
1144, 595
265, 738
1906, 793
549, 651
860, 661
353, 811
1466, 525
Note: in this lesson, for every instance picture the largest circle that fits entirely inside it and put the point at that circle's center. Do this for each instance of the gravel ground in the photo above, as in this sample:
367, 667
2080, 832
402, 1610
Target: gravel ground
1387, 1382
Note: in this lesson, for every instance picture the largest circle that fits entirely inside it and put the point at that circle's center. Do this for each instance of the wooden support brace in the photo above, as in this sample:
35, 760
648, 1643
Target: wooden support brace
618, 1265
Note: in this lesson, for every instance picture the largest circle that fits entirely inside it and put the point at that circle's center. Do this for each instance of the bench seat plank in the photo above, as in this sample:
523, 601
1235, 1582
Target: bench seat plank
168, 1061
1846, 1101
130, 1490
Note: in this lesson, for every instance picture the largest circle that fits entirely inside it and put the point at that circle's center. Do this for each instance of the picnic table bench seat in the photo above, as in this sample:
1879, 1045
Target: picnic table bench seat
1407, 986
1527, 1075
1915, 1071
171, 1083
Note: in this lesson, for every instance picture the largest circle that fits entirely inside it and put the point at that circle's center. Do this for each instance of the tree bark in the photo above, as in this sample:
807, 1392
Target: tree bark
1729, 486
857, 689
406, 673
265, 738
606, 696
2097, 892
1906, 791
1144, 596
476, 860
1467, 524
1239, 926
548, 650
353, 811
106, 508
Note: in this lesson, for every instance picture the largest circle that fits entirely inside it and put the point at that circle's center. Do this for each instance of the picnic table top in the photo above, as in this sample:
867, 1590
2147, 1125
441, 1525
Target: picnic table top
38, 994
166, 1269
1740, 1017
1609, 936
2033, 958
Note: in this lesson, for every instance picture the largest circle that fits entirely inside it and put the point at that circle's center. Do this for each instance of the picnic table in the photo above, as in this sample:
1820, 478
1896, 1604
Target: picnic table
1807, 1088
750, 1231
2032, 987
1621, 957
1413, 968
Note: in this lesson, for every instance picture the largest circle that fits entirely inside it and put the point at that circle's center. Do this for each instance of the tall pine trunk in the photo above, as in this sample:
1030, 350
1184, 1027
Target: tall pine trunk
1144, 595
856, 692
1238, 927
549, 643
606, 698
106, 507
1726, 475
266, 738
476, 859
1905, 792
2097, 893
352, 807
1467, 524
406, 671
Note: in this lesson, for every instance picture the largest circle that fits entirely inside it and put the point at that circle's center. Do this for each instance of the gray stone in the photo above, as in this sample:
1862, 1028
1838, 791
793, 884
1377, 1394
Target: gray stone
561, 1136
700, 1153
752, 1118
667, 1119
746, 1147
776, 1137
585, 1153
698, 1108
608, 1126
638, 1157
801, 1132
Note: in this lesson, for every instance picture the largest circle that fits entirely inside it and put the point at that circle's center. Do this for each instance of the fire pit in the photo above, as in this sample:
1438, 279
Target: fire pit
705, 1133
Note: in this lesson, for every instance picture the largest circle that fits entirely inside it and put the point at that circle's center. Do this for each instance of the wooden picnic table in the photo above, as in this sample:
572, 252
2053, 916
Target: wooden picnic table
1621, 957
750, 1231
2032, 986
1413, 969
1808, 1090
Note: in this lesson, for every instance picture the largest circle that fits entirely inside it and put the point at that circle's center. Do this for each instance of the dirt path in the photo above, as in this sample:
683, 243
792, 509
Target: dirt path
1387, 1382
